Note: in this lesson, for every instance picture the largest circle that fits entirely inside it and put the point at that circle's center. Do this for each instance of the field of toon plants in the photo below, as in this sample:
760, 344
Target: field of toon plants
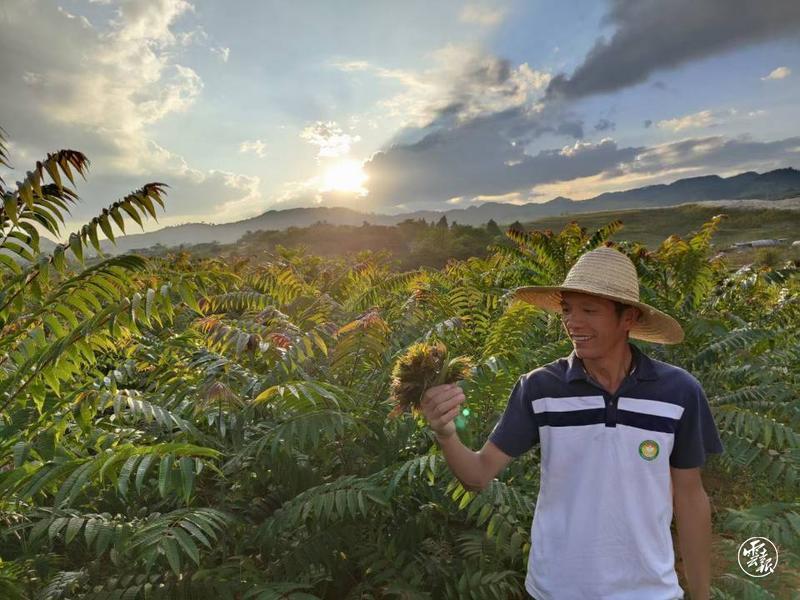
173, 427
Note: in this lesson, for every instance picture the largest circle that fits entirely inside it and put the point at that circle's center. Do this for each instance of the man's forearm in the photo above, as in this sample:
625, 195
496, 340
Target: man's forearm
693, 520
463, 462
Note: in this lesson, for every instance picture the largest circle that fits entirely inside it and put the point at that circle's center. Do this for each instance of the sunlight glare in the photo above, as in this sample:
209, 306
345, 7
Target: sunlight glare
344, 176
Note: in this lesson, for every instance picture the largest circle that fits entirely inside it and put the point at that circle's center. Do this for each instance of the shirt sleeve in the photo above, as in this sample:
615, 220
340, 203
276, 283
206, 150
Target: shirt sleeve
697, 434
516, 432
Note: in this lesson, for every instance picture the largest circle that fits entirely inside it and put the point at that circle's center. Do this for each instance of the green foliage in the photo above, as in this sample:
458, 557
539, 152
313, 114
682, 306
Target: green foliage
180, 427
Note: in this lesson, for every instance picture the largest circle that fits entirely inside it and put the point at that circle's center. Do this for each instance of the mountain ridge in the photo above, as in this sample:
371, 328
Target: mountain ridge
772, 185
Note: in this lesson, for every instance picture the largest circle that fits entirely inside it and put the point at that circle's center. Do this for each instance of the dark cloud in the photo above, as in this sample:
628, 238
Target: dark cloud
570, 127
720, 153
478, 158
652, 35
605, 125
460, 155
475, 160
489, 72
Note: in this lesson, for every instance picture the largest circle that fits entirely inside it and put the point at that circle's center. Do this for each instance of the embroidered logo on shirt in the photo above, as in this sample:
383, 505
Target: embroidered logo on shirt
648, 449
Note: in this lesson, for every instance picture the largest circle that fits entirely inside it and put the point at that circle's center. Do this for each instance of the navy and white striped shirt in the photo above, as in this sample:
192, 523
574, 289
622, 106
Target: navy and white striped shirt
601, 527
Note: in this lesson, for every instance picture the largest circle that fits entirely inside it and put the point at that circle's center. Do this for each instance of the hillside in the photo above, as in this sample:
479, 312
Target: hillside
412, 244
771, 186
652, 226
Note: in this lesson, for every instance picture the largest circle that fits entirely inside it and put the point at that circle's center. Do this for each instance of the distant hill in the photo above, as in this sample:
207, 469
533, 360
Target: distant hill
651, 227
415, 244
771, 186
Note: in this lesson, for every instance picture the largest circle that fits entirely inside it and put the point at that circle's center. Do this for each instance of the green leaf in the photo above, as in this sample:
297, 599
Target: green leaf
141, 472
74, 527
341, 500
10, 207
187, 543
58, 258
52, 169
196, 532
170, 548
64, 164
104, 538
125, 474
165, 474
148, 304
144, 199
21, 451
33, 233
91, 530
56, 526
76, 246
188, 297
93, 237
187, 476
128, 208
54, 325
106, 227
26, 194
11, 264
118, 219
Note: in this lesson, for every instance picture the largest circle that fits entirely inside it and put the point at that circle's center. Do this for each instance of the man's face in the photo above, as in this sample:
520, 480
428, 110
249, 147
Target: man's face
593, 325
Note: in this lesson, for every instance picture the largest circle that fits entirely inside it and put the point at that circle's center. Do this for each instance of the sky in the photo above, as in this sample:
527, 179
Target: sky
243, 107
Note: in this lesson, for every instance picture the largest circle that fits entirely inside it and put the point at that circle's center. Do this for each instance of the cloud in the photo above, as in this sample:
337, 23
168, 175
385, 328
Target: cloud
119, 79
222, 52
198, 35
463, 83
467, 122
473, 164
257, 147
217, 196
238, 196
329, 138
664, 163
704, 118
481, 15
779, 73
84, 21
720, 153
481, 157
148, 20
100, 88
32, 79
697, 29
472, 116
605, 125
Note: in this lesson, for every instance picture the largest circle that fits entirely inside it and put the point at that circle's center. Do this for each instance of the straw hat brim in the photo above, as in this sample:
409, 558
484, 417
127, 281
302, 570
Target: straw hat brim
653, 325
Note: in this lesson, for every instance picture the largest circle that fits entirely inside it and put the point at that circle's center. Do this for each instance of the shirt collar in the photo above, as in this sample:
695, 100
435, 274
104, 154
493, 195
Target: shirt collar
643, 368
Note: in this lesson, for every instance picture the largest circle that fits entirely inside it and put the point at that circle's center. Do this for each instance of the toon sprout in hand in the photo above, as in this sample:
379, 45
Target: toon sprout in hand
423, 366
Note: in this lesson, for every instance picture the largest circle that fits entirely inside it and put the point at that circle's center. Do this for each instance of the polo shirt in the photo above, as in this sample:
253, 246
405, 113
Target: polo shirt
601, 525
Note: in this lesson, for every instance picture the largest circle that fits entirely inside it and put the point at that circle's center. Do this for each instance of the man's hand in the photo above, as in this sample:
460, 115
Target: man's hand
440, 405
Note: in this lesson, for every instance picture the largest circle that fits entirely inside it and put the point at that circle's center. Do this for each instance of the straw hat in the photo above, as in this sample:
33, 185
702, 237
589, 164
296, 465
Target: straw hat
607, 273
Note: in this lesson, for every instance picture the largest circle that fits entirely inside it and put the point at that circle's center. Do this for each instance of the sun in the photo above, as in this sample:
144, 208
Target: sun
344, 176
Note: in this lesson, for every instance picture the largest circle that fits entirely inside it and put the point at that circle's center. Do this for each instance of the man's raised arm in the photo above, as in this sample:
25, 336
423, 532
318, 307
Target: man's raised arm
440, 405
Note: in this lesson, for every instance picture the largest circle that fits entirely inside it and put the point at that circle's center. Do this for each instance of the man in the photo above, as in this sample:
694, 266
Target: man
622, 436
